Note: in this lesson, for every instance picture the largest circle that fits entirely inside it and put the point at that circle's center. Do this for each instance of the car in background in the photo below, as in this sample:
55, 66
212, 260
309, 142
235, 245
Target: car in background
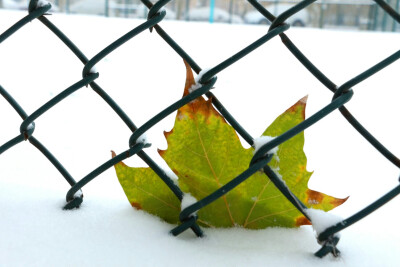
90, 7
139, 11
96, 7
23, 5
300, 19
220, 15
11, 4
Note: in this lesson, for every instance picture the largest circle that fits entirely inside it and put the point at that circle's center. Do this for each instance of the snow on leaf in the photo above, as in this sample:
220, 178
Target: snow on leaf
205, 153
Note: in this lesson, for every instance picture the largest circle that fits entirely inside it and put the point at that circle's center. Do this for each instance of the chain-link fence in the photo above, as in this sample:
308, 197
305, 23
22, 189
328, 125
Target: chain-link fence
341, 95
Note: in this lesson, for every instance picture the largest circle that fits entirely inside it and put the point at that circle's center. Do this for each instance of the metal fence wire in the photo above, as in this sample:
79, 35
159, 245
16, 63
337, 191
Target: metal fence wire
341, 95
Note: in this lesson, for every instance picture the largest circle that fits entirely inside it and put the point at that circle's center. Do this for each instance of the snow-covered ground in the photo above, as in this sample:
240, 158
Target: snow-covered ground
145, 76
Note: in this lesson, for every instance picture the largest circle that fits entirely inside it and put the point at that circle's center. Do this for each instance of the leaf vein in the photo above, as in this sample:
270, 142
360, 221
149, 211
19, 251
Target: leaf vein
213, 171
154, 196
255, 203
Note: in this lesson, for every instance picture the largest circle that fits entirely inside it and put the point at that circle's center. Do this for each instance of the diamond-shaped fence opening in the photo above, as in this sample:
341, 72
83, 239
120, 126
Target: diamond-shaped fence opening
278, 29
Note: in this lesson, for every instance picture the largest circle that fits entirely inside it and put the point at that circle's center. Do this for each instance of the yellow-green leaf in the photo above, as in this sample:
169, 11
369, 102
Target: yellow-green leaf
205, 153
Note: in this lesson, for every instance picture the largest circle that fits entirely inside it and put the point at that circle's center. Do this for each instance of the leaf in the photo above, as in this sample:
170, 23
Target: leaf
205, 153
146, 191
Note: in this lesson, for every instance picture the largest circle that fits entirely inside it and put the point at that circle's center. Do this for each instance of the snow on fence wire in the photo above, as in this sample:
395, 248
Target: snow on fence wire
341, 95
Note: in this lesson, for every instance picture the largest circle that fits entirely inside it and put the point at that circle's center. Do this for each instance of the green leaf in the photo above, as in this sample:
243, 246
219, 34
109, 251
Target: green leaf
146, 191
205, 153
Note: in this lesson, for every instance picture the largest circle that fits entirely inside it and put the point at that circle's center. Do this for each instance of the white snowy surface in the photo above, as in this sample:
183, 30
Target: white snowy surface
145, 76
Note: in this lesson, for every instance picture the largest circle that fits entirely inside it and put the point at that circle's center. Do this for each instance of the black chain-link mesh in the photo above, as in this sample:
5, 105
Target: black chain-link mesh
341, 95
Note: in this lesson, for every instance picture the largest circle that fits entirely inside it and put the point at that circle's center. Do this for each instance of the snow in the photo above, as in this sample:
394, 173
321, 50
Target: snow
94, 70
187, 201
194, 87
170, 174
322, 220
78, 194
161, 10
42, 3
82, 129
276, 170
201, 74
197, 79
262, 140
142, 139
30, 127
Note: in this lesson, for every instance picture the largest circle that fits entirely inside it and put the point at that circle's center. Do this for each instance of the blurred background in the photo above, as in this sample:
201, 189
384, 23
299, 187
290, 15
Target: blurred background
341, 14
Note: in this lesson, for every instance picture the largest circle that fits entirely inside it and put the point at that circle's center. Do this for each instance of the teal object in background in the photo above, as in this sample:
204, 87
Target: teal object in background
212, 7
